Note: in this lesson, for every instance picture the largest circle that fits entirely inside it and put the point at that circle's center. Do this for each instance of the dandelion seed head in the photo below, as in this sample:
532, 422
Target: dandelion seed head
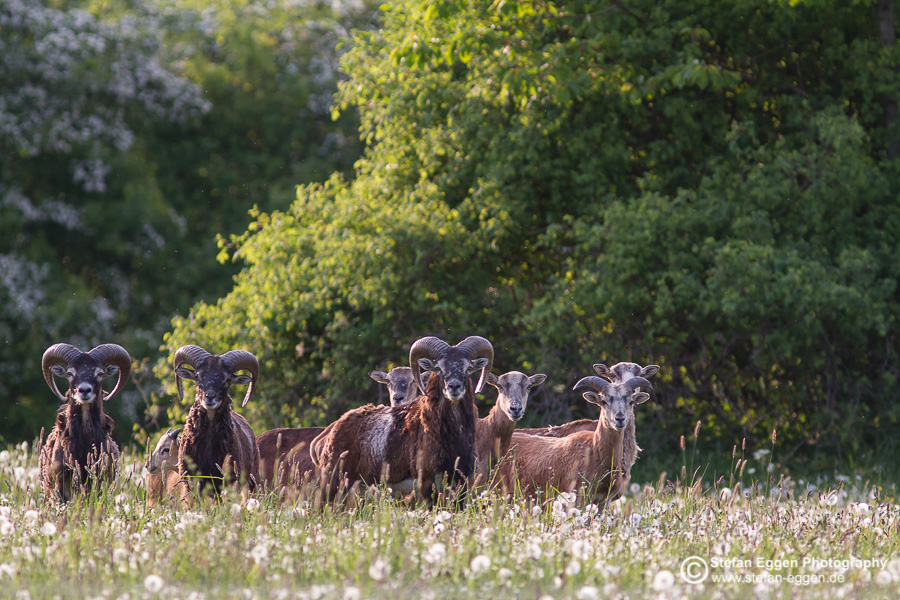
379, 570
480, 564
663, 580
153, 584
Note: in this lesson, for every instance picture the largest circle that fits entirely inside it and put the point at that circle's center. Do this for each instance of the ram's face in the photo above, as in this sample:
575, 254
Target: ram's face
85, 375
213, 379
454, 370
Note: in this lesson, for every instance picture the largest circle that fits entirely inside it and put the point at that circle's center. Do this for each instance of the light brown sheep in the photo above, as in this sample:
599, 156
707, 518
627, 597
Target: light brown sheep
589, 463
494, 432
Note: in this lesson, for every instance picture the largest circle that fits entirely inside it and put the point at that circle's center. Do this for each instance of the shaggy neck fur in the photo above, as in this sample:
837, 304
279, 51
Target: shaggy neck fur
205, 442
85, 429
454, 423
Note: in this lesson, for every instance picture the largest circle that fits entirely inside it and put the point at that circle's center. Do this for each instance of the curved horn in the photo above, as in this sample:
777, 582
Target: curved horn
190, 355
592, 382
238, 360
426, 347
636, 383
55, 354
114, 354
478, 347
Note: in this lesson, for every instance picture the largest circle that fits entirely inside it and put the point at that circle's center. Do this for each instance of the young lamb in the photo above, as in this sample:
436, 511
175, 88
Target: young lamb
494, 432
277, 456
162, 468
410, 445
81, 446
217, 443
401, 386
590, 463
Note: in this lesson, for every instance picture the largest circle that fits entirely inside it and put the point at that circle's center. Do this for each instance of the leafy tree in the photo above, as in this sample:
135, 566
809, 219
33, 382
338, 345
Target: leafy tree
130, 141
700, 185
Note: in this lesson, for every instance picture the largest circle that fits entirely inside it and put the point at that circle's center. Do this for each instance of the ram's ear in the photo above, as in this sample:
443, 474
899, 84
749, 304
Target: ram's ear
110, 370
241, 380
649, 370
640, 397
426, 364
603, 371
58, 370
493, 380
379, 376
593, 398
186, 373
478, 364
537, 379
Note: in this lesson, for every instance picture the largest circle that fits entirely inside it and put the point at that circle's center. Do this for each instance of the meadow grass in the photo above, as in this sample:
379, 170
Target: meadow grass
769, 534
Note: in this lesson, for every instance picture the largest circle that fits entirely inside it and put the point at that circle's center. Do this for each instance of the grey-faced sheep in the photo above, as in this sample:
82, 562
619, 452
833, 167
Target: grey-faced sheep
81, 445
217, 443
401, 386
618, 373
409, 445
590, 463
494, 432
162, 468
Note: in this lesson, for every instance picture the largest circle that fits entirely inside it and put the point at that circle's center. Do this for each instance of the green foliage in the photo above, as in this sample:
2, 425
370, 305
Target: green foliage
699, 185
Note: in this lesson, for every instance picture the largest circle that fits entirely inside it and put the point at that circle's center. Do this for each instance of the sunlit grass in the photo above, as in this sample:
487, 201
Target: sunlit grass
109, 545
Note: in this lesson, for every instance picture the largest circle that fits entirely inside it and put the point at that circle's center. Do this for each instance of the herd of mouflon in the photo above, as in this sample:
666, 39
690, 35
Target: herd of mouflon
428, 444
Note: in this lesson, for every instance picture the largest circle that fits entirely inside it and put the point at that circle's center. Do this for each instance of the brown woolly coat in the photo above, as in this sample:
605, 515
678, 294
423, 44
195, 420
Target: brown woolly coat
207, 444
630, 450
80, 444
417, 441
493, 435
585, 462
283, 448
160, 485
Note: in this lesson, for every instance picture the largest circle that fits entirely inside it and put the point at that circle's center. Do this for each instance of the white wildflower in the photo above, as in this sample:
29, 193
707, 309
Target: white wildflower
259, 553
634, 488
153, 584
435, 553
6, 528
588, 592
581, 549
8, 570
573, 568
31, 515
663, 581
883, 578
236, 509
860, 508
533, 548
635, 519
379, 570
48, 529
504, 575
352, 593
480, 564
4, 456
252, 504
